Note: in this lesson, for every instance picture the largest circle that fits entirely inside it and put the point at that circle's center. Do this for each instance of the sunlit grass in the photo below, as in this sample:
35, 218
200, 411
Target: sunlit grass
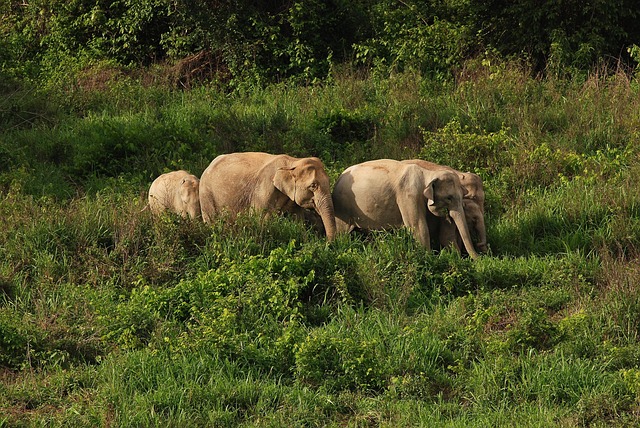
109, 316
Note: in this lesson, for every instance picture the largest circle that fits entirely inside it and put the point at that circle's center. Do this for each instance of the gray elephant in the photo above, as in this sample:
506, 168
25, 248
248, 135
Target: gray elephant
473, 207
271, 183
387, 193
177, 192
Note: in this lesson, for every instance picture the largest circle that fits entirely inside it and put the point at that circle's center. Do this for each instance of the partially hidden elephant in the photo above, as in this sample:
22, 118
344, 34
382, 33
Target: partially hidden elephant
473, 205
474, 215
177, 192
387, 193
270, 183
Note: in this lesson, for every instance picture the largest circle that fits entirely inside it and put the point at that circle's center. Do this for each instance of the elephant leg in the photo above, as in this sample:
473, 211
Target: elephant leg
414, 217
343, 227
421, 232
448, 234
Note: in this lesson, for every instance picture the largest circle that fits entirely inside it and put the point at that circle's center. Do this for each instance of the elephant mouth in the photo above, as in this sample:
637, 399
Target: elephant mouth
311, 205
439, 211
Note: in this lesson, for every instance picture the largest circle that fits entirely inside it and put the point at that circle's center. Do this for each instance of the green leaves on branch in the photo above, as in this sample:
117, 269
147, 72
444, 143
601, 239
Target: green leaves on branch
249, 43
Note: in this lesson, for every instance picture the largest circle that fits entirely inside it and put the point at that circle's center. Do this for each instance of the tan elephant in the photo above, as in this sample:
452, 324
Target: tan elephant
177, 192
473, 206
387, 193
474, 215
264, 182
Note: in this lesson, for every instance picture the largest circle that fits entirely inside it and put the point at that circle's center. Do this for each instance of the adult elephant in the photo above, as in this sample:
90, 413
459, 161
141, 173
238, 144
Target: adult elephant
387, 193
272, 183
177, 192
473, 207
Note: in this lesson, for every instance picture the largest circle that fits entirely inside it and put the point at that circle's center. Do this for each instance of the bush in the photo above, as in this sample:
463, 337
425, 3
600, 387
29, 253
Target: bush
252, 308
338, 361
417, 35
465, 150
347, 132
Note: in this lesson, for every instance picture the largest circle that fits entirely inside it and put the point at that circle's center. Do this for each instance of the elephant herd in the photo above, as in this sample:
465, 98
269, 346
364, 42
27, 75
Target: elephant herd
429, 199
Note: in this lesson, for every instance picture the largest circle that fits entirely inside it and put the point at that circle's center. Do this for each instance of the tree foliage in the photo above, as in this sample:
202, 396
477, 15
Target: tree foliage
561, 32
269, 41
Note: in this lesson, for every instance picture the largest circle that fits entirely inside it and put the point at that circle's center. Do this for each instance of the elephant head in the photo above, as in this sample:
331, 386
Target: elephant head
475, 190
444, 194
190, 197
475, 220
306, 183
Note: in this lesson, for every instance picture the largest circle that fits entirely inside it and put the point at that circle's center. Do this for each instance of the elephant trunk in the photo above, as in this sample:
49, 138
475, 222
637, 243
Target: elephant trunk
194, 211
324, 207
461, 223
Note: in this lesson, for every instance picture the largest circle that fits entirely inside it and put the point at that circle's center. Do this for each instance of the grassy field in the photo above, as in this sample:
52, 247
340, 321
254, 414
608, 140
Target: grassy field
109, 317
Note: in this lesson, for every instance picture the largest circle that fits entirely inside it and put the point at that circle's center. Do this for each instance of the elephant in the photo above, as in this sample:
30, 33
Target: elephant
473, 205
265, 182
177, 192
448, 234
474, 215
387, 193
471, 181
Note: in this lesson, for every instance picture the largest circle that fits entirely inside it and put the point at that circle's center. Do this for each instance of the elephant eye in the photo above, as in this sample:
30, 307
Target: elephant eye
313, 186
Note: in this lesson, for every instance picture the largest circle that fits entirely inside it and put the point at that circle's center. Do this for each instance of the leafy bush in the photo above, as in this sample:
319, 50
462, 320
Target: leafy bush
416, 35
338, 361
346, 131
465, 150
533, 330
562, 39
252, 308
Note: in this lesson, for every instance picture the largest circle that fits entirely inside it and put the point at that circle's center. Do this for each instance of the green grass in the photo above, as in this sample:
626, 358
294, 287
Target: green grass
109, 317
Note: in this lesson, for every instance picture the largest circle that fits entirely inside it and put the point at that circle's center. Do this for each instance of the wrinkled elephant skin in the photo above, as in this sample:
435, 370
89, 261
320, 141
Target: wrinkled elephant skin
386, 193
176, 192
270, 183
473, 205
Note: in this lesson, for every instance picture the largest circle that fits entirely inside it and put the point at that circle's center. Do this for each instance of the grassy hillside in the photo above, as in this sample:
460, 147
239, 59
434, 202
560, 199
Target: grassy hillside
109, 317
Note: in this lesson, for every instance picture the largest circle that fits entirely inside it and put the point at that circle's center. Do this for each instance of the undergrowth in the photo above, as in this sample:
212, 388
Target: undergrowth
110, 316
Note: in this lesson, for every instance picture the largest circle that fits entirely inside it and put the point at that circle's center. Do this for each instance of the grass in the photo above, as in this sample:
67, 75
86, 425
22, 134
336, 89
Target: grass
109, 317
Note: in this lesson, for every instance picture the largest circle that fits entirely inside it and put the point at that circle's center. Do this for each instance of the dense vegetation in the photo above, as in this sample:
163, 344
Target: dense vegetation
256, 42
110, 317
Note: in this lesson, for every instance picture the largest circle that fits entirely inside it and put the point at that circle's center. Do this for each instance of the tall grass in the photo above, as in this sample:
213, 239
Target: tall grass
109, 316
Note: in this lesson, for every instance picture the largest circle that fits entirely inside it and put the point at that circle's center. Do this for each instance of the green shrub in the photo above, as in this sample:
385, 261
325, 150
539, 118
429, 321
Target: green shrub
533, 330
419, 362
346, 132
415, 36
465, 150
131, 322
338, 361
251, 308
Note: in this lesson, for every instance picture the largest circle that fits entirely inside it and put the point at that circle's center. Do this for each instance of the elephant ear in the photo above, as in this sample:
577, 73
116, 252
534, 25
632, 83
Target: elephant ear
428, 191
285, 182
463, 179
